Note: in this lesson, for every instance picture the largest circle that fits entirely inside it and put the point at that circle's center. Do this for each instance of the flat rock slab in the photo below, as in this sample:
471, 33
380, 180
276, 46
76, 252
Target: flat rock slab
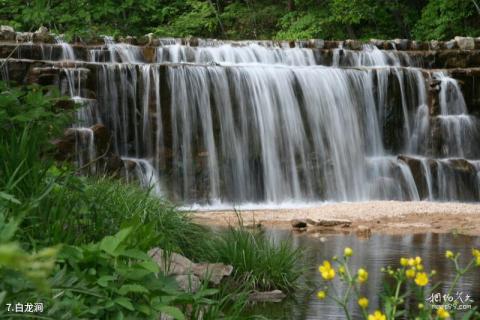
330, 222
267, 296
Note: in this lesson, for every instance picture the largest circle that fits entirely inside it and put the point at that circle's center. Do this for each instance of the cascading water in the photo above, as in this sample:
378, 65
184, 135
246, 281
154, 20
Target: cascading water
258, 122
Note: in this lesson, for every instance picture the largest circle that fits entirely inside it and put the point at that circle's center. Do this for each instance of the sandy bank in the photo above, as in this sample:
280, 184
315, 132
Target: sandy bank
391, 217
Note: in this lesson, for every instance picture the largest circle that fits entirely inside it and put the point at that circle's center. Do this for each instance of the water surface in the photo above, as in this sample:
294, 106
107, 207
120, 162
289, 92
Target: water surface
372, 254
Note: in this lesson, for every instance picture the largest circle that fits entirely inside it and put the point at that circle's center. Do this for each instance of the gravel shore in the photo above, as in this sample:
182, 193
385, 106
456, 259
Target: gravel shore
379, 216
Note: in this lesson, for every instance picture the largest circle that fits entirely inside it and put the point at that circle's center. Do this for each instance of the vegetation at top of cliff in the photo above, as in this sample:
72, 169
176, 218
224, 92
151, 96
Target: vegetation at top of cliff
250, 19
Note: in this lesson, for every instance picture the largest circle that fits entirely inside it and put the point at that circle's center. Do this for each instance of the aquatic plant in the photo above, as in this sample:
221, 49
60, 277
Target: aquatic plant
406, 283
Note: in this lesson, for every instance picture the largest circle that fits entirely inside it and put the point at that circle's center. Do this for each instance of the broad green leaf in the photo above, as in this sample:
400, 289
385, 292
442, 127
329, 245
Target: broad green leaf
125, 302
103, 281
135, 288
150, 266
109, 244
172, 311
135, 254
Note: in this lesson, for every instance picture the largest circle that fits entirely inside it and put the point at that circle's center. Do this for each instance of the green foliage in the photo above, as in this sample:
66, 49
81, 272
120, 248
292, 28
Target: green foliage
241, 19
198, 20
258, 263
445, 19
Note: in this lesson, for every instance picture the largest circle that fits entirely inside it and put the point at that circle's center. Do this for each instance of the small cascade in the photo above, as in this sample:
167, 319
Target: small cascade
390, 178
4, 70
116, 53
144, 172
427, 171
67, 50
228, 54
459, 130
85, 147
370, 56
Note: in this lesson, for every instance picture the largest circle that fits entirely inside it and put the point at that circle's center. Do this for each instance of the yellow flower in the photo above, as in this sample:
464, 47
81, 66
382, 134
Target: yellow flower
404, 262
419, 267
421, 306
341, 270
321, 295
411, 262
421, 279
410, 273
363, 302
418, 260
449, 254
328, 273
442, 313
476, 254
377, 315
362, 275
348, 252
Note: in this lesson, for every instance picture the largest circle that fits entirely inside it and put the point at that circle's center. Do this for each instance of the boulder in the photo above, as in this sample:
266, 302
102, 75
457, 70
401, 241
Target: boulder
267, 296
24, 37
42, 35
435, 45
297, 224
353, 44
465, 43
316, 43
171, 264
401, 44
214, 272
176, 264
188, 283
7, 33
377, 43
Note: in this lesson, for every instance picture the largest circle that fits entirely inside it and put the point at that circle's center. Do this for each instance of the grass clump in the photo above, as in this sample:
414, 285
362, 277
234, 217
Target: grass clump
259, 263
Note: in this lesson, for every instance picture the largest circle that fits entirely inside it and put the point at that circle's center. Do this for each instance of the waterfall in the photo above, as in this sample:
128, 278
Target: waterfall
459, 130
85, 146
261, 122
67, 50
145, 173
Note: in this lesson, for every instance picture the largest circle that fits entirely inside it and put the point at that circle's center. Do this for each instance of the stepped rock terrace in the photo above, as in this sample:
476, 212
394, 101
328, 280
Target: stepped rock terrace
208, 122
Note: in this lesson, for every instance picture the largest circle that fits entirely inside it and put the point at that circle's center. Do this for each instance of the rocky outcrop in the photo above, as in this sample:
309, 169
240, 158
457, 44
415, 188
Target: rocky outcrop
465, 43
186, 270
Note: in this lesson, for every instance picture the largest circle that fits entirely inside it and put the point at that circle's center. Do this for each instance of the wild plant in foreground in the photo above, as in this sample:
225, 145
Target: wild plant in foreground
409, 281
258, 262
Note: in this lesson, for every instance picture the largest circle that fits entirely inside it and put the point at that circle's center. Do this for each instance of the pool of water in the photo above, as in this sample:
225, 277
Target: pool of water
374, 253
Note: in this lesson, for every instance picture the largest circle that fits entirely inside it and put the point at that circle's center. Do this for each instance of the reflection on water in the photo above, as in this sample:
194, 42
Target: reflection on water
374, 253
